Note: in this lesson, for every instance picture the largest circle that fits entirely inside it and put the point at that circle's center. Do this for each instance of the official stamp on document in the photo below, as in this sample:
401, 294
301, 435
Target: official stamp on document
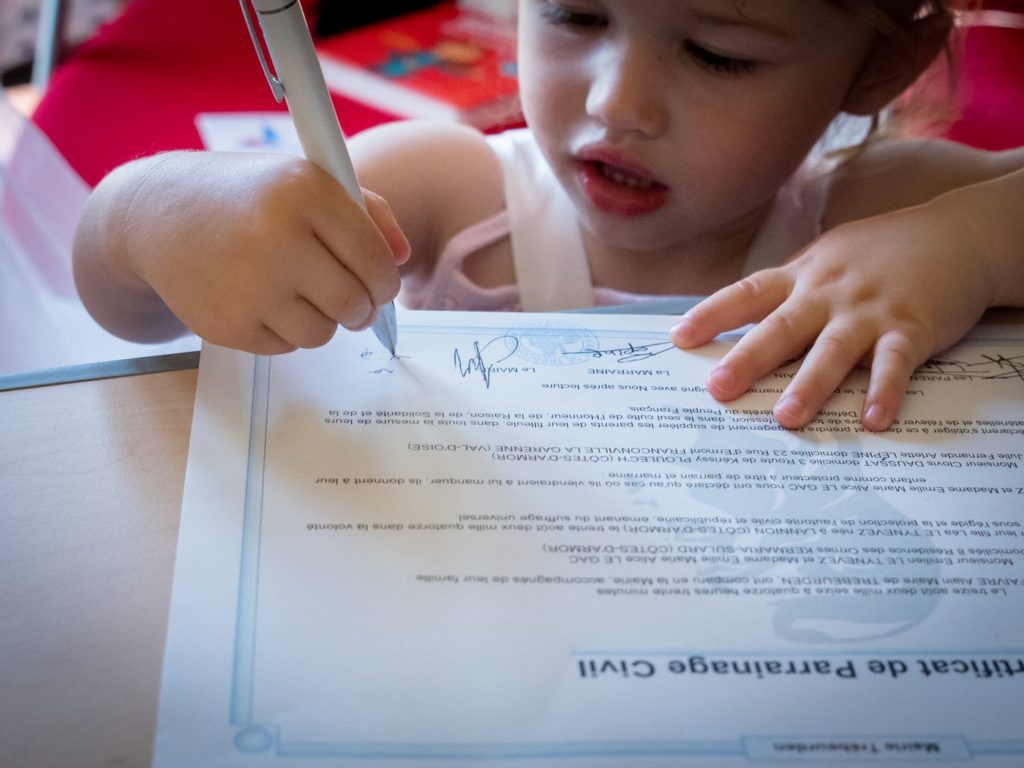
553, 343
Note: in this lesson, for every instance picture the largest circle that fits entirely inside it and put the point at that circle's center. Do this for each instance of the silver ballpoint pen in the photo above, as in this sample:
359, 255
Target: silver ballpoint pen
300, 82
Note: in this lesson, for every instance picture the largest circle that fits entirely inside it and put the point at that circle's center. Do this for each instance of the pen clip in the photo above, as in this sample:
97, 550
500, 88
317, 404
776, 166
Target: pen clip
275, 84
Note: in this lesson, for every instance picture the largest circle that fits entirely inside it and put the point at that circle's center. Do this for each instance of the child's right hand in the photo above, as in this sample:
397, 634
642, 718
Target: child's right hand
263, 253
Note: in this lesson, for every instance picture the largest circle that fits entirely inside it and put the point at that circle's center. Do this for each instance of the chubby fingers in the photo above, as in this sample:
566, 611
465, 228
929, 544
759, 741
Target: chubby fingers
776, 340
747, 301
352, 238
344, 270
386, 222
311, 318
350, 268
840, 346
835, 346
784, 330
896, 356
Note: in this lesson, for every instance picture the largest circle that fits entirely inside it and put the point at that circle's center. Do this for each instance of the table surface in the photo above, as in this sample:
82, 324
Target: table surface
91, 479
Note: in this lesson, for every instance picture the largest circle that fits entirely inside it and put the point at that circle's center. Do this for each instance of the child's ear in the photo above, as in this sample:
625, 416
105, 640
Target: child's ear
895, 62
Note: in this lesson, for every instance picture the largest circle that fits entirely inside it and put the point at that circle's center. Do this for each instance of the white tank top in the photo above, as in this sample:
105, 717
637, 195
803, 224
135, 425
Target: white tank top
552, 272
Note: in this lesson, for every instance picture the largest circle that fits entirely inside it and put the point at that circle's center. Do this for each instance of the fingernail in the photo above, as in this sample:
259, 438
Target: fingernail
875, 417
790, 408
722, 380
403, 252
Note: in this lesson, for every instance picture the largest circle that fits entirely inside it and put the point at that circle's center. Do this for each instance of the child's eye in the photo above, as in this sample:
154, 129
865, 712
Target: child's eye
561, 16
718, 63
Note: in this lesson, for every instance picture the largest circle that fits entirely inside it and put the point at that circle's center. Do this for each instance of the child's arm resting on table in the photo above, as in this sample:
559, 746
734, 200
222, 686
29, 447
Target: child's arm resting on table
264, 253
886, 291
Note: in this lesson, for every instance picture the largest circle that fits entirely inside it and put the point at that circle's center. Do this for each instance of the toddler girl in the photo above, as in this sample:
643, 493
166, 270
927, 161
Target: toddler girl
666, 155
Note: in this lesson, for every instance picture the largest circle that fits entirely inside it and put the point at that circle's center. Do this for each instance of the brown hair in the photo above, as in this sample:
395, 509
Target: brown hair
928, 106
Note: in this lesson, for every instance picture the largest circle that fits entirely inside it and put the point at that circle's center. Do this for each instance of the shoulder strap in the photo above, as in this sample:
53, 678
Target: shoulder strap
547, 250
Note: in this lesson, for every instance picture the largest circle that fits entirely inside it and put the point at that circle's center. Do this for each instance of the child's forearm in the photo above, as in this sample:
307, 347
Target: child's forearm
987, 219
105, 271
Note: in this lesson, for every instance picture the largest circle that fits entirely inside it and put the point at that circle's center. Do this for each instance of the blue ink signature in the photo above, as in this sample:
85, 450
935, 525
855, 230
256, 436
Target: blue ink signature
988, 367
477, 363
631, 353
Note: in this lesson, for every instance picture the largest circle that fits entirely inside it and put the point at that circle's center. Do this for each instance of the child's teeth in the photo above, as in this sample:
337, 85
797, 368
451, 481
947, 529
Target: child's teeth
628, 180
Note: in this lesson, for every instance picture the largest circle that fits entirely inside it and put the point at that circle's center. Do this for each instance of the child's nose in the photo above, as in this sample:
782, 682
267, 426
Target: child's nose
624, 92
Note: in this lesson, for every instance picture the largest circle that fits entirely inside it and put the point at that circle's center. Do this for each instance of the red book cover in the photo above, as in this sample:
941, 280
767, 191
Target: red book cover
442, 63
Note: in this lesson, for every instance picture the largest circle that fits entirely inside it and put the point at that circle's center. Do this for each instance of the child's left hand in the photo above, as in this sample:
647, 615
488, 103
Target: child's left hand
885, 292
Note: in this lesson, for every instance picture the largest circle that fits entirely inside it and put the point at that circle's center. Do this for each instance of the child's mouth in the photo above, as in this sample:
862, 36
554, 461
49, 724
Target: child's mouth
620, 191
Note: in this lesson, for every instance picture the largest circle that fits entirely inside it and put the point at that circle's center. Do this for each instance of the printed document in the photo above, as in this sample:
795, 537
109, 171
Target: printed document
536, 540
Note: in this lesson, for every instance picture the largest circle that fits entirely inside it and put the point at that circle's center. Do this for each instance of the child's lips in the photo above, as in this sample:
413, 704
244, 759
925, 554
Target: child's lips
616, 184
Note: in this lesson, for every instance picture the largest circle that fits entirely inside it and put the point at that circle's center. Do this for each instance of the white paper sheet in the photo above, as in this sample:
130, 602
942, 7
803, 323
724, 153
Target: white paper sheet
535, 539
248, 132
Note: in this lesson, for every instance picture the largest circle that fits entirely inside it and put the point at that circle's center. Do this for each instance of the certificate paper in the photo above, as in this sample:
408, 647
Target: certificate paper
535, 540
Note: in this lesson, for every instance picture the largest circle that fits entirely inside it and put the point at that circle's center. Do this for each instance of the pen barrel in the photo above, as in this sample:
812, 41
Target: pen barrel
295, 61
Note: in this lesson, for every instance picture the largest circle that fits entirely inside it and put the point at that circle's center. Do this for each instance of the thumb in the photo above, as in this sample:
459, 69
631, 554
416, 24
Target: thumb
386, 222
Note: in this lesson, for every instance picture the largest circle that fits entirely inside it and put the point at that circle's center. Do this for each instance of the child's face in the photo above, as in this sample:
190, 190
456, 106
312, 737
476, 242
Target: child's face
674, 121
